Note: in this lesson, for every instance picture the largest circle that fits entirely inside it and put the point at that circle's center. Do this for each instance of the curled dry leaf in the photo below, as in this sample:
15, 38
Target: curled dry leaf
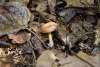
20, 37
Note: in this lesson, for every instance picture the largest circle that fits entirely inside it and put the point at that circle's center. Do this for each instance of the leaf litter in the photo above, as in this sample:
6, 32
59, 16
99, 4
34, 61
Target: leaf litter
75, 40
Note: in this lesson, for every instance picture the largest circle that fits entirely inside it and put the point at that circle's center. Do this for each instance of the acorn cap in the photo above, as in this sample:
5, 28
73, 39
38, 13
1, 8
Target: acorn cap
48, 27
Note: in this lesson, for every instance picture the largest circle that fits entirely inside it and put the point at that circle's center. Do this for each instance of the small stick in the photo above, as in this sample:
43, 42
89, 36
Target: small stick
82, 59
37, 37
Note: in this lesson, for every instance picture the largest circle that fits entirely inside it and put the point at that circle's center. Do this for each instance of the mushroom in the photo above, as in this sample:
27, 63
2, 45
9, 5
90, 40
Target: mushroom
48, 28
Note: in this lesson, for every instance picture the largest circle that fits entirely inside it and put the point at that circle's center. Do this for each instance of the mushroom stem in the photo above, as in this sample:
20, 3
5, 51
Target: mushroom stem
51, 43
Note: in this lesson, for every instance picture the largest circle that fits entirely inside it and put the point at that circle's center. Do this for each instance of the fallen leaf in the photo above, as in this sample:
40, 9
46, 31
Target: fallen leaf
20, 37
46, 59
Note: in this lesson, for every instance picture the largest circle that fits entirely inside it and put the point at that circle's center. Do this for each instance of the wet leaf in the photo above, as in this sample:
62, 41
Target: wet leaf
13, 17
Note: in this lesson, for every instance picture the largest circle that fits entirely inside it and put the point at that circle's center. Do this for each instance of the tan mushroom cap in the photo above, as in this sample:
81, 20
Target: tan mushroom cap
48, 27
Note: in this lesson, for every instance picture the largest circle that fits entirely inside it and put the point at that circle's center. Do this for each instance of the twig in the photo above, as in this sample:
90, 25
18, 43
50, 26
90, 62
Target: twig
82, 59
37, 37
34, 60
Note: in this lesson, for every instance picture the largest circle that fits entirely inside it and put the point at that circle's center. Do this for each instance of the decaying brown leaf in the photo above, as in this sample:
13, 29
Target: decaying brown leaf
20, 37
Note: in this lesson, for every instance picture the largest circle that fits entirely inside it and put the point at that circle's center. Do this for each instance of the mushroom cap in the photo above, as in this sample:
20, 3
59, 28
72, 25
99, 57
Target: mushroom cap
13, 17
48, 27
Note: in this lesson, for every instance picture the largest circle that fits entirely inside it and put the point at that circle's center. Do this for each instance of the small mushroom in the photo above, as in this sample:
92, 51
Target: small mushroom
48, 28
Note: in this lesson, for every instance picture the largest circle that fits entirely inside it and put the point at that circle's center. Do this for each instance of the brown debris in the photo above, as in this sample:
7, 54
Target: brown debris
20, 37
